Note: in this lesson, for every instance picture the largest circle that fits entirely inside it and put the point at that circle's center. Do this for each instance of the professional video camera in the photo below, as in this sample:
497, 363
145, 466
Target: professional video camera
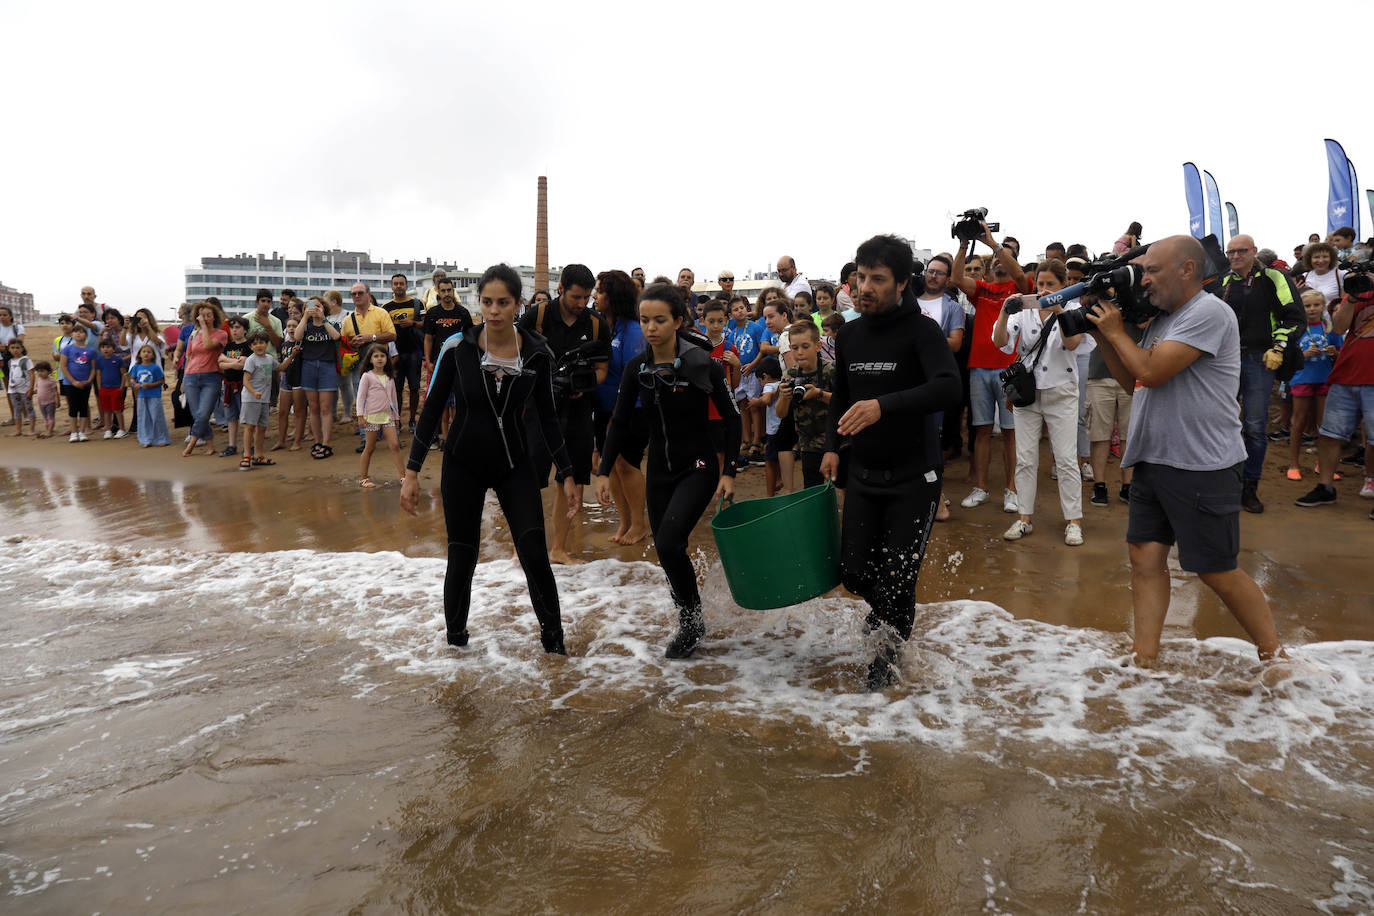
968, 227
1115, 278
1111, 278
1358, 281
576, 371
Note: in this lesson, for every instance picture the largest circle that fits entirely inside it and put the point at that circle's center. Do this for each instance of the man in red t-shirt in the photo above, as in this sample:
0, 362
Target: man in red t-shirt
1351, 395
985, 363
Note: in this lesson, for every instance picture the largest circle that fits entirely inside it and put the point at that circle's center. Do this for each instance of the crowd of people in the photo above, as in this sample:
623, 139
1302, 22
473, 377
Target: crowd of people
658, 395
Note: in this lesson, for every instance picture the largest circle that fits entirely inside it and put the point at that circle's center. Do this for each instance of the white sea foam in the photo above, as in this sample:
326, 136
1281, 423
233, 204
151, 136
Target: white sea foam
975, 678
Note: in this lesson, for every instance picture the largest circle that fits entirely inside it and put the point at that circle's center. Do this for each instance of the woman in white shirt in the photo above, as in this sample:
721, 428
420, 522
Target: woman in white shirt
1056, 404
1320, 260
144, 330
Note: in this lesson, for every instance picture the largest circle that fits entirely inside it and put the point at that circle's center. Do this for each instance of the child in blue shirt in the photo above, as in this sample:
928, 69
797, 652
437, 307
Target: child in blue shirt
1308, 386
78, 365
146, 378
744, 336
110, 377
770, 373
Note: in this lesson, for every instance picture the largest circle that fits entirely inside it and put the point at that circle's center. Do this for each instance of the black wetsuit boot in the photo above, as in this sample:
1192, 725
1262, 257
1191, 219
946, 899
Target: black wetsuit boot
691, 627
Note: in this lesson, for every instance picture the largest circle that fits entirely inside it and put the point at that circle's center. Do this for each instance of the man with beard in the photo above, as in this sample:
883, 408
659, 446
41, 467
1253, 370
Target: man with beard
894, 373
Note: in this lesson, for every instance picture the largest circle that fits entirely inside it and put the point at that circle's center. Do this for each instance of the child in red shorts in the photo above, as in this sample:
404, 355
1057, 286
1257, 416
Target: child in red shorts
111, 378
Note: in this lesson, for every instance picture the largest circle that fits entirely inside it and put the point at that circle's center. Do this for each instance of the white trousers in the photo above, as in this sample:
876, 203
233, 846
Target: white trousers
1056, 408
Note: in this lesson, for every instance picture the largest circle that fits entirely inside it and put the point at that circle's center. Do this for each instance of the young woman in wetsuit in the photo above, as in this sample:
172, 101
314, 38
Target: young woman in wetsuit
674, 379
492, 369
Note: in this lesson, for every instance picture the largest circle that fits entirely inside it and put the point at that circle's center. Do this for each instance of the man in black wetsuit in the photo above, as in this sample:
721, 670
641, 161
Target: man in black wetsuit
894, 373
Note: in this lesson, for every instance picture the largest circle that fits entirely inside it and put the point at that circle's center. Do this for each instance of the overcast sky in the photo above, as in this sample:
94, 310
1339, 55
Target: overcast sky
140, 137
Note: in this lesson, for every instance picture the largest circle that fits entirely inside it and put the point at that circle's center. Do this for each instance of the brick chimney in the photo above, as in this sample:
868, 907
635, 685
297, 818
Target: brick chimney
541, 238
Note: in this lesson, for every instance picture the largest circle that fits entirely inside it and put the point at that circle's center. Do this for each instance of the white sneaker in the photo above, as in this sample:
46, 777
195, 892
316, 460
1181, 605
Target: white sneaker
1073, 535
82, 437
1087, 471
121, 433
1009, 503
109, 434
1367, 491
976, 498
1018, 530
72, 438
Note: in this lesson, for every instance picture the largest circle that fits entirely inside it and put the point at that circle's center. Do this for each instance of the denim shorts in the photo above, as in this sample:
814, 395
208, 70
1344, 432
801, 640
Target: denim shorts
1344, 405
986, 399
319, 375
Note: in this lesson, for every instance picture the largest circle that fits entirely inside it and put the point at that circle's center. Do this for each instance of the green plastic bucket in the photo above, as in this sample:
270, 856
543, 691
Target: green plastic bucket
782, 550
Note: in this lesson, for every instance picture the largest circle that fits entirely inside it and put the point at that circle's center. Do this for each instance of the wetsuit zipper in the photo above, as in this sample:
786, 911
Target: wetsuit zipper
663, 421
500, 418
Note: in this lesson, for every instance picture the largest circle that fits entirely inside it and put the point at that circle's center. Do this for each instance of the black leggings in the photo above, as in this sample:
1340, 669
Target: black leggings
676, 503
463, 494
79, 402
886, 528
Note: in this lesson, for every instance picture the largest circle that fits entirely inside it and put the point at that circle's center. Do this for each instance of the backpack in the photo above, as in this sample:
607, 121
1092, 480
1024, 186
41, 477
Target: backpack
348, 357
539, 323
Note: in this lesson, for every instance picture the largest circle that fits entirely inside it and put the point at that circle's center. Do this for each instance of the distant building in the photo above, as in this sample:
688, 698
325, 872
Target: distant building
235, 280
19, 304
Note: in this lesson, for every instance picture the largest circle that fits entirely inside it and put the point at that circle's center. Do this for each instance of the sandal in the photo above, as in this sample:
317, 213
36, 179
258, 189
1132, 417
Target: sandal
326, 451
263, 462
246, 464
366, 483
317, 451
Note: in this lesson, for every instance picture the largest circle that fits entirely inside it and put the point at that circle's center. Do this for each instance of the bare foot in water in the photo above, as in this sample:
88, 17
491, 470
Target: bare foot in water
563, 558
619, 536
942, 514
634, 536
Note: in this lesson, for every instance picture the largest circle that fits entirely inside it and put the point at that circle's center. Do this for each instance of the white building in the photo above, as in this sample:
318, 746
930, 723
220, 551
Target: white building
235, 280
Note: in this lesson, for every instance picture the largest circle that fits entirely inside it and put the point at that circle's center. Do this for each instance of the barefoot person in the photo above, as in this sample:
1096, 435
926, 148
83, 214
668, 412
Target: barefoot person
894, 373
675, 379
617, 301
565, 325
493, 369
1186, 445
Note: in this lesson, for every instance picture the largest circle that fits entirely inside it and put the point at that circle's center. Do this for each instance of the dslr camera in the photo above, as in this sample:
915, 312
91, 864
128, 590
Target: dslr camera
967, 228
576, 371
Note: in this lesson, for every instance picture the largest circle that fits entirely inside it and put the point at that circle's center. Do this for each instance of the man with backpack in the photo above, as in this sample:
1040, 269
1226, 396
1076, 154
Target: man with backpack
580, 342
1269, 313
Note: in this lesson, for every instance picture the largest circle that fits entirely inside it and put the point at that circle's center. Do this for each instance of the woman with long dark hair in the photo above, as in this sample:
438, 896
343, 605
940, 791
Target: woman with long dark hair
674, 378
617, 300
492, 370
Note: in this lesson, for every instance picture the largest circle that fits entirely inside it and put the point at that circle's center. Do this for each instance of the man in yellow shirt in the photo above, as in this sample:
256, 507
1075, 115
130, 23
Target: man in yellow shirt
368, 324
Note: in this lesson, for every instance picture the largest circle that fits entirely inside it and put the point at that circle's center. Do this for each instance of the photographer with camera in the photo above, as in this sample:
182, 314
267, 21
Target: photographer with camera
1185, 444
985, 360
580, 342
1351, 395
1267, 310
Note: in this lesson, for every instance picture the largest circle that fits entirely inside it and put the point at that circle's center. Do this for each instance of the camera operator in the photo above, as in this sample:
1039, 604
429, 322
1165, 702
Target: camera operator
986, 362
894, 373
1352, 390
1185, 444
1268, 311
568, 324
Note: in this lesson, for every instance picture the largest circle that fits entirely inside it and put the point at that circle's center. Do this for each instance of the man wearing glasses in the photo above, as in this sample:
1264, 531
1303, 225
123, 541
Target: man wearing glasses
368, 324
793, 282
1267, 310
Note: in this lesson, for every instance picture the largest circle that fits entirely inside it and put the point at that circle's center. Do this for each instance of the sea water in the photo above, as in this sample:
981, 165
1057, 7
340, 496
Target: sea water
288, 731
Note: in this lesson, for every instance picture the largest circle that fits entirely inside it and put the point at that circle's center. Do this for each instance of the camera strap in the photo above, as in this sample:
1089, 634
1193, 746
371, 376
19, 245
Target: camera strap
1038, 348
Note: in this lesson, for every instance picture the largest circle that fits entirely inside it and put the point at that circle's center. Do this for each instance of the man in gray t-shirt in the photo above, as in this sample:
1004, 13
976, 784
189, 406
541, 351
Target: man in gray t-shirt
1185, 445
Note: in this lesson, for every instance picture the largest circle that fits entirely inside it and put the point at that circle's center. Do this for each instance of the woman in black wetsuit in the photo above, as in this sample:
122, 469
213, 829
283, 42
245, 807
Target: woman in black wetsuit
492, 370
674, 378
